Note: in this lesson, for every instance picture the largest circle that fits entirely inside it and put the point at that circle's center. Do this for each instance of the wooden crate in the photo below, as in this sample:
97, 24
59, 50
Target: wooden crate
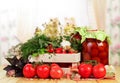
74, 59
57, 58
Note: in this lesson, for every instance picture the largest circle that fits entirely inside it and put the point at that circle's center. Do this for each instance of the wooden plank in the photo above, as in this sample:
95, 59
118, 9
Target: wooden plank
65, 81
2, 74
117, 73
5, 80
87, 81
26, 80
12, 80
107, 81
1, 68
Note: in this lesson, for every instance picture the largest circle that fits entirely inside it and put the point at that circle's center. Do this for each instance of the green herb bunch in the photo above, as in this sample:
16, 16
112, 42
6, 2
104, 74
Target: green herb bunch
34, 45
38, 45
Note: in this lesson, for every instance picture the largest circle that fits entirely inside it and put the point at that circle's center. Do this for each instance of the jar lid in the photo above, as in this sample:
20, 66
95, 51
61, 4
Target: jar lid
96, 34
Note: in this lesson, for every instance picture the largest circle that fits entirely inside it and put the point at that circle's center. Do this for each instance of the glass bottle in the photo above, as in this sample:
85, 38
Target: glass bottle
93, 49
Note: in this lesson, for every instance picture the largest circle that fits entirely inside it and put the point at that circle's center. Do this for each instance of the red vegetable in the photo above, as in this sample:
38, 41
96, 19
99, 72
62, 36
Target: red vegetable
50, 48
59, 50
102, 46
103, 54
85, 70
43, 71
94, 52
77, 36
56, 72
29, 71
54, 65
97, 59
86, 56
99, 71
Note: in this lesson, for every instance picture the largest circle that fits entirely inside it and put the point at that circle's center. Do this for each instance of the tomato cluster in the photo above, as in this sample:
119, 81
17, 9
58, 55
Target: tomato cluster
43, 71
87, 70
94, 49
60, 50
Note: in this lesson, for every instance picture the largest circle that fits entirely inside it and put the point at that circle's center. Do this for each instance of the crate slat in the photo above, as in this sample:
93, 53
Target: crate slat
59, 58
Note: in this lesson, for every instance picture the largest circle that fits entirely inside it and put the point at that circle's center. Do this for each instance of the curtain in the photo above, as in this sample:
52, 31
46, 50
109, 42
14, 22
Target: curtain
107, 17
100, 8
113, 28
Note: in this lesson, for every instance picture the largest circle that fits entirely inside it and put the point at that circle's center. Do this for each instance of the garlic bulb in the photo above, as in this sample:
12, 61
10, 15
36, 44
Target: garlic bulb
65, 43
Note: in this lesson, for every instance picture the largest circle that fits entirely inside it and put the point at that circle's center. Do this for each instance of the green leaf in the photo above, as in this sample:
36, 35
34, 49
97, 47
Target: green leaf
33, 44
90, 35
35, 54
82, 31
41, 51
100, 35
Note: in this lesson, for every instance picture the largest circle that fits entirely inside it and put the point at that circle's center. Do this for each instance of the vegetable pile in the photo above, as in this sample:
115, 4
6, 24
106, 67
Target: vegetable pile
87, 70
53, 40
43, 71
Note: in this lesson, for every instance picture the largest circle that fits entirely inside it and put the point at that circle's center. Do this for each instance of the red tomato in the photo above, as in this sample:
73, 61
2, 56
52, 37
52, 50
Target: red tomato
50, 46
91, 45
29, 71
102, 46
94, 52
94, 45
77, 36
51, 50
54, 65
105, 61
84, 45
43, 71
64, 51
71, 52
103, 55
85, 70
58, 50
56, 72
99, 71
97, 59
86, 56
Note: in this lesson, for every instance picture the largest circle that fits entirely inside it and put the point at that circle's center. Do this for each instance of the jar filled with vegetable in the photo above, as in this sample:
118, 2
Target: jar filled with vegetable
95, 46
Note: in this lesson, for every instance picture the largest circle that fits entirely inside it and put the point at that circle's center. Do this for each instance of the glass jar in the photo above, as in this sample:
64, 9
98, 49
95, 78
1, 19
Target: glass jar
93, 49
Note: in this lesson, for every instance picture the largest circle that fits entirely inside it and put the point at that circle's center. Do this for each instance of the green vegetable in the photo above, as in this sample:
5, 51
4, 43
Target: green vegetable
41, 51
35, 54
38, 44
33, 44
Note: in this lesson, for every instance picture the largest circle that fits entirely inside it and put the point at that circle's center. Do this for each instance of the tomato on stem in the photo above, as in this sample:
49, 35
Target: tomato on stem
59, 50
29, 71
85, 70
56, 72
43, 71
99, 71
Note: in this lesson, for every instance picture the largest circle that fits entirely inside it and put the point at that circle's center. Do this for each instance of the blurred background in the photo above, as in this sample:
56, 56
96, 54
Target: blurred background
19, 18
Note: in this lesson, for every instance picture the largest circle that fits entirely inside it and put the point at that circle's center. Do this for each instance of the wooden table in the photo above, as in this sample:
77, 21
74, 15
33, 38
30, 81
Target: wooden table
4, 79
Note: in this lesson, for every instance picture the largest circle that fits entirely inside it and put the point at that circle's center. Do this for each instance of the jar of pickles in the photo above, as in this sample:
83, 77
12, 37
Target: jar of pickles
95, 46
93, 49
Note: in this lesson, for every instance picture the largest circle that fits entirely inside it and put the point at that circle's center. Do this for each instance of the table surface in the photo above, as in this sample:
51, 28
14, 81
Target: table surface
4, 79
